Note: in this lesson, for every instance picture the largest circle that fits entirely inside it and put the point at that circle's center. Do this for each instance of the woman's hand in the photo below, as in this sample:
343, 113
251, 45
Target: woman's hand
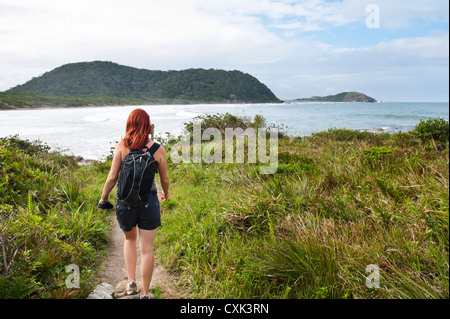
105, 204
164, 197
113, 173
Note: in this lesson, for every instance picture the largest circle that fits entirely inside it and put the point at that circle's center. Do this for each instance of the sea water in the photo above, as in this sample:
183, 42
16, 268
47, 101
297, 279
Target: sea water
90, 132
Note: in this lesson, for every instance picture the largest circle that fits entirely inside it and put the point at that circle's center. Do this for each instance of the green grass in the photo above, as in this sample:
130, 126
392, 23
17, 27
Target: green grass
48, 220
340, 201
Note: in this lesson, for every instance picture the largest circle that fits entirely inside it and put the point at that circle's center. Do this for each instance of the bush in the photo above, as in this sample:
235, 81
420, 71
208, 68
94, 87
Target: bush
437, 129
227, 120
25, 146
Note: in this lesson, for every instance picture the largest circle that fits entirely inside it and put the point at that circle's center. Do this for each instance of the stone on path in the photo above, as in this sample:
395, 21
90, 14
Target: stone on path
102, 291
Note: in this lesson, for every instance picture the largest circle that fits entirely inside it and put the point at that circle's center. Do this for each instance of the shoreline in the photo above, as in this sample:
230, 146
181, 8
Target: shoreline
14, 122
180, 103
45, 107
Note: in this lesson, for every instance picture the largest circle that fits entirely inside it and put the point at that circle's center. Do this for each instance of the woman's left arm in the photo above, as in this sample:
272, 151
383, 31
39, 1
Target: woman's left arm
113, 175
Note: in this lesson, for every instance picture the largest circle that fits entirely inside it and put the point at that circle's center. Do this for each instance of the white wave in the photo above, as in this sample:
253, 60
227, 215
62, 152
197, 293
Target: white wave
96, 118
185, 114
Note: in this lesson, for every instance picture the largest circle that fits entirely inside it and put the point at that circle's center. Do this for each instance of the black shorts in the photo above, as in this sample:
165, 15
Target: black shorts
146, 217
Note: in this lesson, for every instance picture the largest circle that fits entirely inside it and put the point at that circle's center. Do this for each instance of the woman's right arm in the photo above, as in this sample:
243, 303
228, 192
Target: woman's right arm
113, 175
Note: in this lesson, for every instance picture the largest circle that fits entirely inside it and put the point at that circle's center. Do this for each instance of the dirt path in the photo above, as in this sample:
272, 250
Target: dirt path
114, 271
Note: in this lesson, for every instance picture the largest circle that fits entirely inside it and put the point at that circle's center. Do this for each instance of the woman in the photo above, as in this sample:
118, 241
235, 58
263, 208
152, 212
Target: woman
147, 217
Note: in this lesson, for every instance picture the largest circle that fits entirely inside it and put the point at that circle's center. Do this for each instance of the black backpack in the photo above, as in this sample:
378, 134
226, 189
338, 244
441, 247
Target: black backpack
136, 176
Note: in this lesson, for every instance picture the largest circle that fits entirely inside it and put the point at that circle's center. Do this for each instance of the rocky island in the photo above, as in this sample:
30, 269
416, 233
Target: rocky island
341, 97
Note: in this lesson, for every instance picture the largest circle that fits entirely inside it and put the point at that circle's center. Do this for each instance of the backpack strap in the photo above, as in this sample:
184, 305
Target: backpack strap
154, 148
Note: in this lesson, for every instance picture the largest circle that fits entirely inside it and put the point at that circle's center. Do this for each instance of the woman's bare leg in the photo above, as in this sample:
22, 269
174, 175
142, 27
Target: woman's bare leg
146, 238
130, 253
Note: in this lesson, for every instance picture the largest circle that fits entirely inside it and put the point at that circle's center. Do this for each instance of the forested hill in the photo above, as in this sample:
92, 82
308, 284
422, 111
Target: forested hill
108, 79
341, 97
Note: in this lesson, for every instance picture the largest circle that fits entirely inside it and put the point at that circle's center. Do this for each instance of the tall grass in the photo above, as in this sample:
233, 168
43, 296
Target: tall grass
341, 200
48, 220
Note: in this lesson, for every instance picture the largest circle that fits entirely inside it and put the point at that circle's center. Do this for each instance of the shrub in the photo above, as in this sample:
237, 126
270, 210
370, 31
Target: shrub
438, 129
227, 120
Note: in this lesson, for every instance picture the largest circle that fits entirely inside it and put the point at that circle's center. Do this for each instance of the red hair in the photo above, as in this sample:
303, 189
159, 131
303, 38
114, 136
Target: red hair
138, 129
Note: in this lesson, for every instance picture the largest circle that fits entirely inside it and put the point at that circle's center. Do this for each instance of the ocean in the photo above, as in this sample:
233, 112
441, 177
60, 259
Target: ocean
90, 132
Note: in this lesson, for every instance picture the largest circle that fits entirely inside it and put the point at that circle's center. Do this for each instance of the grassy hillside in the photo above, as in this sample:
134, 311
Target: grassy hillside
106, 79
340, 201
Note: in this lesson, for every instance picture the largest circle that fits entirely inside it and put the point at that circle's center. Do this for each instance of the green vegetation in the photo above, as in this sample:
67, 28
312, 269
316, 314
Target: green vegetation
341, 200
434, 129
48, 220
99, 83
227, 120
341, 97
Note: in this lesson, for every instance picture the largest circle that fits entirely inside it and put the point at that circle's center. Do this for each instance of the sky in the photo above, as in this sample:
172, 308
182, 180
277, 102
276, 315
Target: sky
390, 50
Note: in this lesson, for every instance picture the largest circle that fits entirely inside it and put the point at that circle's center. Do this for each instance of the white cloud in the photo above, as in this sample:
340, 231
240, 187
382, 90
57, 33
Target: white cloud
166, 34
39, 35
321, 14
397, 70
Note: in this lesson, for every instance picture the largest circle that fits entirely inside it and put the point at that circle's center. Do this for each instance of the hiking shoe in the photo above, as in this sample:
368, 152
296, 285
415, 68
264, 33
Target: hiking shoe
105, 205
149, 296
131, 289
